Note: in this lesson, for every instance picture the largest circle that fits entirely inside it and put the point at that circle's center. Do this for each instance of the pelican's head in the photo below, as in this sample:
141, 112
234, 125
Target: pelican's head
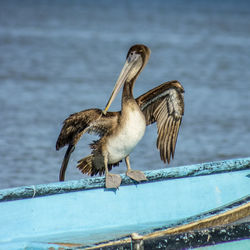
136, 59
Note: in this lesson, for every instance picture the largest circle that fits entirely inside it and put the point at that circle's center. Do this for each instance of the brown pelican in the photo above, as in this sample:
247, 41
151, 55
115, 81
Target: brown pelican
120, 131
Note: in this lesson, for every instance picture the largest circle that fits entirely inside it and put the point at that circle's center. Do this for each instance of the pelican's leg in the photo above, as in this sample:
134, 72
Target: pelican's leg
134, 174
111, 180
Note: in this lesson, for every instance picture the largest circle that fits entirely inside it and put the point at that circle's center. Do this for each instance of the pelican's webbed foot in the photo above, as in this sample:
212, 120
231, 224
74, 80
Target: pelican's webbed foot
113, 180
136, 175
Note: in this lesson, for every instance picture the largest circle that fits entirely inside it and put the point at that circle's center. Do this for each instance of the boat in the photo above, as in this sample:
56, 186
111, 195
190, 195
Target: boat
175, 206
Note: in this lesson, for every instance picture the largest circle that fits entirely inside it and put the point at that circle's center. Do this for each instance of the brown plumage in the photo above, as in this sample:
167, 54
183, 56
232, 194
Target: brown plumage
163, 105
92, 121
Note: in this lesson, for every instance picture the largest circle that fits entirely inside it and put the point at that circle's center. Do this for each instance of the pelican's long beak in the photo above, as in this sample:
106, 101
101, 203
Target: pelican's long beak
124, 75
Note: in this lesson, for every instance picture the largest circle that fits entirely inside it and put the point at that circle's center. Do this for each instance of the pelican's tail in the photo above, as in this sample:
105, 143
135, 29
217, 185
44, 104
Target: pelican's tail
93, 165
86, 166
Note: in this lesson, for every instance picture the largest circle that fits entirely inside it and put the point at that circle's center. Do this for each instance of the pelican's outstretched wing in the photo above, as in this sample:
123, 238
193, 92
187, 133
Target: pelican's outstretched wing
90, 121
164, 105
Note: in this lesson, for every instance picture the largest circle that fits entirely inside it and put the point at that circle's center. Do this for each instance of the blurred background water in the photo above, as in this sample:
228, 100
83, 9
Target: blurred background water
60, 57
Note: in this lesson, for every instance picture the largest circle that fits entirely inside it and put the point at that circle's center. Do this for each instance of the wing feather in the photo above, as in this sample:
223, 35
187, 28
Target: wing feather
90, 121
164, 105
169, 139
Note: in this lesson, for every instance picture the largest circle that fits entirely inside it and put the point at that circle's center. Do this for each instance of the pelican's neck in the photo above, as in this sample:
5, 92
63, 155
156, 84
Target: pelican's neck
127, 93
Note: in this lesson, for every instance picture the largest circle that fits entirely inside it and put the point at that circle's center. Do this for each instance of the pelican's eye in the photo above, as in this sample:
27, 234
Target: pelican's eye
132, 56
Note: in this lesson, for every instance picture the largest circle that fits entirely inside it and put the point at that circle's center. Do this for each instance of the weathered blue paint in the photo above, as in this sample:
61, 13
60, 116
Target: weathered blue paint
94, 214
28, 245
99, 182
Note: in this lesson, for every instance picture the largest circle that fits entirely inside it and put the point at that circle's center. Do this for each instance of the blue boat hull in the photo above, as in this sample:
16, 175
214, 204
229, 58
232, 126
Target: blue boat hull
83, 212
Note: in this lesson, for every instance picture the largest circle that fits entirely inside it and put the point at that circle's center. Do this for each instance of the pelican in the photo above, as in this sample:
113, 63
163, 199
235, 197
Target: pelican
121, 131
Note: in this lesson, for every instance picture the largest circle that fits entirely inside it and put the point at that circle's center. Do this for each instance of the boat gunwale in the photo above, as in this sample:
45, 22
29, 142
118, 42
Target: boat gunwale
208, 168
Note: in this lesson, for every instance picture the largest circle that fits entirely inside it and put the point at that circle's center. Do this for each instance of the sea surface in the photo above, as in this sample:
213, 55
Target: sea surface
60, 57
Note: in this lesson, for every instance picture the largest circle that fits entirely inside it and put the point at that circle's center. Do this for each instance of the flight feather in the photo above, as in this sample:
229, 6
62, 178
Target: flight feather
165, 106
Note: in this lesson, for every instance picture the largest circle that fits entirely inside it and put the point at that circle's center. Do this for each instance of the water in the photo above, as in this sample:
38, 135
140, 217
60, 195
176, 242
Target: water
60, 57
